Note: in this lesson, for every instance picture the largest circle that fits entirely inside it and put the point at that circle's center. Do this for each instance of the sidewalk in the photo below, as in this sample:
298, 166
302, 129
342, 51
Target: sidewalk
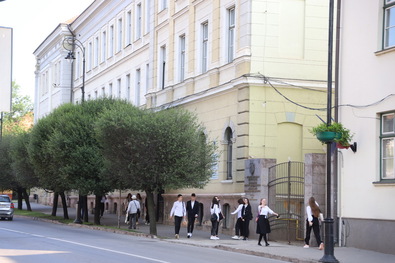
276, 250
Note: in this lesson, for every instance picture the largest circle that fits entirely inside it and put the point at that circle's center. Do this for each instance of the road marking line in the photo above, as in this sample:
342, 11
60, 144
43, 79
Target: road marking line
81, 244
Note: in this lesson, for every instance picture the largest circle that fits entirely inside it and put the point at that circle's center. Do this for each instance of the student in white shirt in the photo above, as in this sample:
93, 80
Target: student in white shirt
178, 210
133, 208
238, 227
216, 217
263, 226
313, 212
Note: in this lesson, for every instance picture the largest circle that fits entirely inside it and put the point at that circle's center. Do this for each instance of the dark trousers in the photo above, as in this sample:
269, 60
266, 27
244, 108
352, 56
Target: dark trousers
246, 228
214, 227
177, 224
239, 227
132, 221
316, 230
191, 224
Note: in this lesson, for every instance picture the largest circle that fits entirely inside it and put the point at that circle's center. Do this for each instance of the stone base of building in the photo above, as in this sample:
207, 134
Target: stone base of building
370, 234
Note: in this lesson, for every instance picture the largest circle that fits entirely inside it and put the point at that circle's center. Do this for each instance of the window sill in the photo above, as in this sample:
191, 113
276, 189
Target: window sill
384, 51
390, 182
227, 182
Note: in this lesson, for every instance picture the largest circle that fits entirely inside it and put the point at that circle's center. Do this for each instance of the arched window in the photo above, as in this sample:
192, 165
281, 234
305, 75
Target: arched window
229, 148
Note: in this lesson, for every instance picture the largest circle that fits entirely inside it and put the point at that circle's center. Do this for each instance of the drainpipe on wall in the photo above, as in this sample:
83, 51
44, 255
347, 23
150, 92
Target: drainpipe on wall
336, 175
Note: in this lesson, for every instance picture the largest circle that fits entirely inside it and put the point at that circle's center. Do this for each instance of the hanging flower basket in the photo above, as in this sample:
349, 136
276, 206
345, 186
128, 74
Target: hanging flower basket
328, 136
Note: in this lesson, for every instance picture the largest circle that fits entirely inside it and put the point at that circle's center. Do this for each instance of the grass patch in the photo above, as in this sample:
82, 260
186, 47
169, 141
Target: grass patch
42, 215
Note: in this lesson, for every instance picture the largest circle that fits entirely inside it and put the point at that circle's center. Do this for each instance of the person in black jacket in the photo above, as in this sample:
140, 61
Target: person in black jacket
192, 208
246, 216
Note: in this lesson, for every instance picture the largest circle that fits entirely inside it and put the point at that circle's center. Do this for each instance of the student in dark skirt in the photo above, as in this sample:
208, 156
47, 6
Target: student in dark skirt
263, 226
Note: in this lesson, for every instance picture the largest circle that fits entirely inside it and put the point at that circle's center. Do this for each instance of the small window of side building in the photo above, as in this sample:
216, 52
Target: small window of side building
231, 34
387, 138
389, 24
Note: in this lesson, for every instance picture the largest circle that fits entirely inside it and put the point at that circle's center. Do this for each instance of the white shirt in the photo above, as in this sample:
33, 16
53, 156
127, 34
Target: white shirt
264, 210
133, 206
238, 211
192, 204
310, 213
215, 210
178, 209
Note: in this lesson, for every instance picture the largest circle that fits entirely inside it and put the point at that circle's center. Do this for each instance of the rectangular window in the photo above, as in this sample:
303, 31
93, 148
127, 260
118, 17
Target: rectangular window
128, 87
103, 92
119, 47
138, 21
389, 23
147, 15
138, 88
231, 33
204, 47
181, 65
387, 146
129, 28
119, 83
162, 67
146, 78
104, 46
163, 4
96, 53
95, 94
110, 90
111, 51
89, 58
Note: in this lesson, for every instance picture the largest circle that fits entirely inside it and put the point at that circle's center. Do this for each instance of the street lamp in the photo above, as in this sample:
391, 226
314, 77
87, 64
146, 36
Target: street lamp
69, 43
328, 222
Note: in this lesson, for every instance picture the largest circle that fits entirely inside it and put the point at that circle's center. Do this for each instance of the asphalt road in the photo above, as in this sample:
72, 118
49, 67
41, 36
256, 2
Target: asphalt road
28, 241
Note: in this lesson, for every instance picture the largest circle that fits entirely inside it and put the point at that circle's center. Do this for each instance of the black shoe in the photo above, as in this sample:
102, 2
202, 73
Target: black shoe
259, 244
267, 244
244, 238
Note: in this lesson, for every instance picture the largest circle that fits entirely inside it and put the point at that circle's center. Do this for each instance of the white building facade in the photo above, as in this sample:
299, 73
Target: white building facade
367, 108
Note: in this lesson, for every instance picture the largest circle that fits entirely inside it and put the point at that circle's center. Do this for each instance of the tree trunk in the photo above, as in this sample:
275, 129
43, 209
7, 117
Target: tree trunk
151, 212
79, 206
20, 196
85, 204
27, 201
64, 204
55, 203
97, 209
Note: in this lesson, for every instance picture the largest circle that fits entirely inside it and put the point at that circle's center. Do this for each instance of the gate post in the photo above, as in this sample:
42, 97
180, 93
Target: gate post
256, 182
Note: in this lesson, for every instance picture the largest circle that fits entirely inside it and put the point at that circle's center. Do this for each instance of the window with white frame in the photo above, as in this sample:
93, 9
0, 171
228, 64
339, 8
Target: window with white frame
231, 33
137, 88
162, 67
95, 94
147, 15
111, 51
119, 84
229, 151
89, 58
103, 46
103, 92
389, 23
204, 48
138, 21
129, 28
128, 87
96, 53
163, 5
387, 146
146, 78
119, 47
110, 90
181, 62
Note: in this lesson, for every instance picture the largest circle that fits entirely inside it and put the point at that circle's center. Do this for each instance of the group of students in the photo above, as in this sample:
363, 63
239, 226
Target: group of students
244, 216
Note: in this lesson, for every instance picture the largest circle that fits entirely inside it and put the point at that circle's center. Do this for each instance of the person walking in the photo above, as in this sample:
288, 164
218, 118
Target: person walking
263, 225
133, 208
313, 212
178, 210
192, 209
246, 216
216, 217
238, 226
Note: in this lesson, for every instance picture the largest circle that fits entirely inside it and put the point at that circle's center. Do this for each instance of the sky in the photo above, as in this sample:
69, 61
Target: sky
32, 21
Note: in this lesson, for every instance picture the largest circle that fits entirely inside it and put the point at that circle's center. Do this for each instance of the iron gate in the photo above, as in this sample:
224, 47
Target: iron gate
286, 197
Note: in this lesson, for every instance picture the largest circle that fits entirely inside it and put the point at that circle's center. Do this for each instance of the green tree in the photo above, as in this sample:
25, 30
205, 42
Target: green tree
156, 151
20, 118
